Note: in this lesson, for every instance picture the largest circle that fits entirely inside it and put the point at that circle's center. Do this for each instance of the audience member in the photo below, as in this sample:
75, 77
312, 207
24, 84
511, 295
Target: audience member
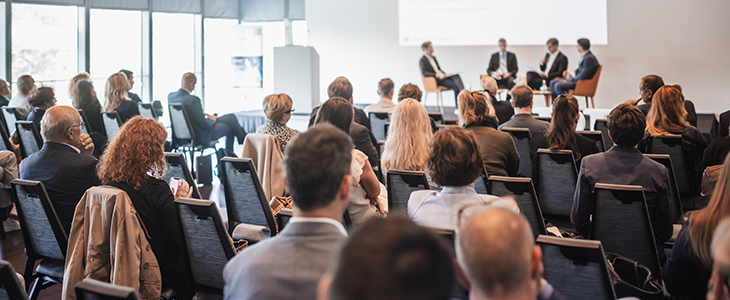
278, 109
554, 63
497, 258
116, 97
130, 79
715, 153
587, 67
406, 146
85, 100
8, 172
503, 66
687, 271
624, 164
367, 197
522, 103
648, 87
454, 164
502, 110
719, 285
64, 164
389, 259
385, 91
41, 99
411, 91
83, 76
498, 150
4, 93
135, 162
430, 68
723, 126
289, 265
26, 84
207, 127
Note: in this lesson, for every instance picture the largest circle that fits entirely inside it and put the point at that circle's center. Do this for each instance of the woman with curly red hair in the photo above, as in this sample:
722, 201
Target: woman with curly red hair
134, 161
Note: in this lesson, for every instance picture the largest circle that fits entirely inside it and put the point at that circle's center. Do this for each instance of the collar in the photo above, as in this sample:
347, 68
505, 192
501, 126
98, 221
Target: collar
458, 190
69, 145
554, 53
584, 54
386, 100
338, 225
186, 91
624, 149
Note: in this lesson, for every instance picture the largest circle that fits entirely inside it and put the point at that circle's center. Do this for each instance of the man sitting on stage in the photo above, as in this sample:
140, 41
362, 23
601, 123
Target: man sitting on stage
551, 66
587, 67
430, 68
503, 66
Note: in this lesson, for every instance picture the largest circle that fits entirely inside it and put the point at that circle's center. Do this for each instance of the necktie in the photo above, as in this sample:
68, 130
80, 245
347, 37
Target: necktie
503, 64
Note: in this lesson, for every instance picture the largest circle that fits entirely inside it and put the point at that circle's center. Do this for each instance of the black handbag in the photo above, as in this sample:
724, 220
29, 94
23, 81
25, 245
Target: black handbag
631, 279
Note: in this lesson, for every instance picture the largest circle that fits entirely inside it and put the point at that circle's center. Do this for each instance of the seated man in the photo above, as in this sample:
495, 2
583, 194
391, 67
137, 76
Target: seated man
498, 259
364, 267
554, 63
341, 87
26, 84
289, 265
648, 86
65, 164
522, 103
385, 91
207, 127
587, 67
624, 164
503, 66
430, 68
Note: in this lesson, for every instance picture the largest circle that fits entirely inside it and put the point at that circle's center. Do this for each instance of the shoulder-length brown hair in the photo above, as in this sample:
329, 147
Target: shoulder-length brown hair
667, 114
336, 111
135, 154
702, 223
561, 134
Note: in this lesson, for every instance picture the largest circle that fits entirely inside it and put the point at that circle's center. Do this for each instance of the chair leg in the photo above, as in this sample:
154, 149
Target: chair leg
28, 272
593, 104
36, 288
547, 100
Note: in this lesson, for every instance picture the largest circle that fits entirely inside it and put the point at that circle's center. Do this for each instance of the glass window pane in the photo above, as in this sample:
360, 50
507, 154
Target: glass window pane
116, 43
173, 54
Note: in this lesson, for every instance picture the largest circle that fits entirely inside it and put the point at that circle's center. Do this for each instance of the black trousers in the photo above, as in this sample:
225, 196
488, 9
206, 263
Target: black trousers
452, 82
228, 125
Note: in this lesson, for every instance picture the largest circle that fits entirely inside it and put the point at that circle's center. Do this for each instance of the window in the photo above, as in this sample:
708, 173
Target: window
173, 54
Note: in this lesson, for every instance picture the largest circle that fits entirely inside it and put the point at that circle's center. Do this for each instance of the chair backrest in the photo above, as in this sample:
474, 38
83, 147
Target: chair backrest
672, 145
10, 286
401, 184
208, 245
556, 178
182, 129
437, 117
602, 126
597, 136
112, 122
576, 268
92, 289
283, 217
10, 116
29, 138
177, 167
429, 84
146, 110
522, 189
377, 122
707, 123
5, 145
676, 203
43, 233
521, 137
85, 128
245, 198
587, 87
621, 222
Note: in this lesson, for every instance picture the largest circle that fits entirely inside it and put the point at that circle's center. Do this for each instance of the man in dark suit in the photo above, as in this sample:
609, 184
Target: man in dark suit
65, 164
648, 86
289, 265
503, 66
207, 127
587, 67
430, 68
554, 63
4, 93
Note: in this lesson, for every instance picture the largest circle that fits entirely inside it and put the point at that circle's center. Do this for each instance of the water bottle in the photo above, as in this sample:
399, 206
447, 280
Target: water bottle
543, 88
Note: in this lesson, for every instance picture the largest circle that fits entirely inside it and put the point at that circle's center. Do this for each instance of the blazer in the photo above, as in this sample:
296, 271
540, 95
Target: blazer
363, 140
4, 101
498, 150
66, 175
127, 109
526, 121
426, 67
684, 273
36, 115
93, 116
723, 124
559, 65
201, 126
511, 63
587, 67
503, 110
287, 266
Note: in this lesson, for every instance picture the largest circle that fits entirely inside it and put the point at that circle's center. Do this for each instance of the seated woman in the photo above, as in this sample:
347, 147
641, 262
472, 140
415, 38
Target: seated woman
503, 110
498, 150
83, 76
277, 108
41, 99
134, 161
367, 196
453, 163
85, 100
406, 146
688, 269
116, 90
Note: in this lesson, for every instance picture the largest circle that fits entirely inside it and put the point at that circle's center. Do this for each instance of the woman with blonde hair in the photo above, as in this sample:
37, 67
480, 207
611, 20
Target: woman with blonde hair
278, 109
498, 150
406, 147
502, 110
116, 90
83, 76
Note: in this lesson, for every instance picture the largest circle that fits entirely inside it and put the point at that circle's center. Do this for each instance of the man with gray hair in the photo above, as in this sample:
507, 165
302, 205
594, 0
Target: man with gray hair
522, 103
65, 164
26, 84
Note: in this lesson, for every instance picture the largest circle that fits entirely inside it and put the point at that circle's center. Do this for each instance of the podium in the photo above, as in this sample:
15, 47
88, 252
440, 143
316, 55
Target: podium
296, 73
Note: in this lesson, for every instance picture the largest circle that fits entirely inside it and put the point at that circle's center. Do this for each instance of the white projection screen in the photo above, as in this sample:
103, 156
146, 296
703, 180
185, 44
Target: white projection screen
484, 22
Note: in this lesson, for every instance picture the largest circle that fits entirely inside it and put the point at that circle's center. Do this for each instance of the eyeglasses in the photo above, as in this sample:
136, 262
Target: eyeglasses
290, 111
80, 125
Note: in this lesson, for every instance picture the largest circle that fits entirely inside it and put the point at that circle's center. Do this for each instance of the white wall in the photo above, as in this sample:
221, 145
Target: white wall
683, 41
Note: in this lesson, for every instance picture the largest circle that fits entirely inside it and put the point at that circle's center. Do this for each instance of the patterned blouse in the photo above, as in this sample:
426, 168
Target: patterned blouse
282, 133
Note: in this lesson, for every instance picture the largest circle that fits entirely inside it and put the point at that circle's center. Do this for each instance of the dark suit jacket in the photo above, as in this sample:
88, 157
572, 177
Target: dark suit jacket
4, 101
587, 67
134, 97
36, 115
503, 110
363, 140
559, 65
127, 110
426, 68
66, 175
93, 116
511, 63
688, 106
724, 123
202, 127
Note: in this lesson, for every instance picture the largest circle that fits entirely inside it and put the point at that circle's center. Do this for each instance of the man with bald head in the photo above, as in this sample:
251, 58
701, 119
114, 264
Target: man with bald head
498, 259
207, 127
65, 164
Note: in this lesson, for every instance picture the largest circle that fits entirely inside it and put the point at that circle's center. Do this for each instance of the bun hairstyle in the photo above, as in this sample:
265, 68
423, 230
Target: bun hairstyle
473, 108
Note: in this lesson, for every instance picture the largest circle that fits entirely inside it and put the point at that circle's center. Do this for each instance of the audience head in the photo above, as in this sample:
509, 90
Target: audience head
188, 82
584, 44
473, 108
497, 256
427, 48
702, 223
130, 76
115, 91
561, 134
317, 167
626, 124
25, 84
42, 97
341, 87
489, 85
502, 45
336, 111
391, 258
409, 133
83, 76
4, 88
277, 108
61, 124
385, 88
135, 153
667, 114
455, 159
552, 45
718, 285
521, 96
649, 85
411, 91
85, 95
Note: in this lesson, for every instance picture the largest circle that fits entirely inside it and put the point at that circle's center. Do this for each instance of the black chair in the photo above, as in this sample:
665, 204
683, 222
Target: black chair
44, 237
676, 202
576, 268
602, 126
684, 173
6, 144
621, 222
385, 128
283, 217
85, 128
146, 110
245, 198
177, 167
208, 246
597, 136
707, 124
377, 122
183, 134
111, 122
10, 286
29, 138
10, 116
522, 189
401, 184
437, 117
481, 184
92, 289
521, 137
556, 178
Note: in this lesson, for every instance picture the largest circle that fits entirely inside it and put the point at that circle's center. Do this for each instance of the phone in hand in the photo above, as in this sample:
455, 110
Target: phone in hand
174, 183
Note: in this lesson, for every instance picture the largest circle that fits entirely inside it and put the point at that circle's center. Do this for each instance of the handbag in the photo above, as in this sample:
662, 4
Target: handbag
631, 279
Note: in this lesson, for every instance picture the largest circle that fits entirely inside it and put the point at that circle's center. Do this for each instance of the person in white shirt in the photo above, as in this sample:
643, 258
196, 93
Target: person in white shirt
385, 105
430, 68
26, 84
551, 66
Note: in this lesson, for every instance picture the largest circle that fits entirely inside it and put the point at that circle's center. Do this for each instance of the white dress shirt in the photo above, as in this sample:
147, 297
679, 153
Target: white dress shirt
551, 60
434, 66
436, 209
385, 105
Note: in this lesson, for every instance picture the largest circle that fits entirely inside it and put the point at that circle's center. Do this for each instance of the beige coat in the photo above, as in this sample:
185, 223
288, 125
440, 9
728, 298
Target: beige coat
266, 155
114, 250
